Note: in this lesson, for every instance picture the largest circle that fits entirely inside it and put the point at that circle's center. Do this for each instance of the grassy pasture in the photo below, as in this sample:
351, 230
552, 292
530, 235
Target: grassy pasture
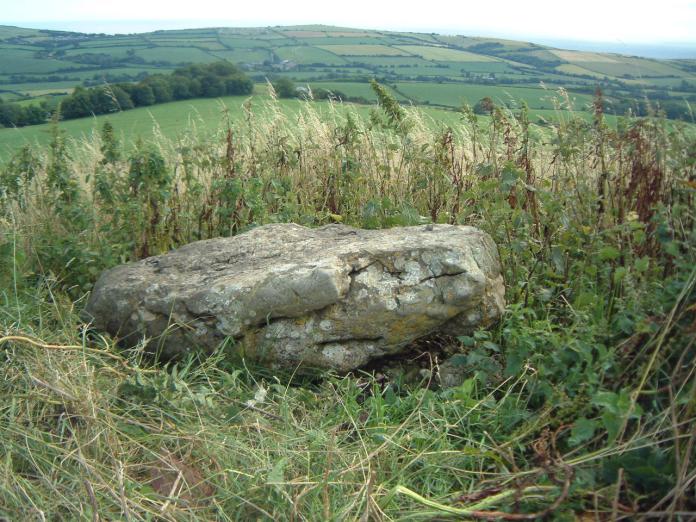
306, 55
132, 70
115, 51
177, 119
364, 50
349, 88
583, 56
50, 97
661, 82
388, 61
453, 95
422, 37
12, 47
321, 73
479, 66
8, 31
211, 45
353, 34
320, 50
616, 65
243, 55
346, 40
43, 92
236, 42
249, 32
16, 61
171, 119
443, 54
176, 55
304, 34
576, 68
184, 33
114, 41
9, 96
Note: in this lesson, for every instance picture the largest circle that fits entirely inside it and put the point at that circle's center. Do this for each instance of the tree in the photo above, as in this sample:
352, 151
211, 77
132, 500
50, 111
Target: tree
161, 88
239, 84
212, 86
142, 95
209, 80
123, 100
181, 87
102, 100
10, 114
34, 114
284, 88
78, 105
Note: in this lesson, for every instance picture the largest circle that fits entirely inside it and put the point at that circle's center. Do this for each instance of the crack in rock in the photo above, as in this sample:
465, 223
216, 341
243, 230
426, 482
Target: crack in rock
332, 297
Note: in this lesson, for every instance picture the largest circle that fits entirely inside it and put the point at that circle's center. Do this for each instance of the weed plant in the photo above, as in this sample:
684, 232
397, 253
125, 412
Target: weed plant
579, 405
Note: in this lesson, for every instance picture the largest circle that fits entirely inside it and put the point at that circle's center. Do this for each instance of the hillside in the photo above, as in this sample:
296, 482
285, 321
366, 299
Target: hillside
429, 69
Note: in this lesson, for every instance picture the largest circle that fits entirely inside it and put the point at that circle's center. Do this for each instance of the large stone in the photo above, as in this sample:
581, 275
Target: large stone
331, 297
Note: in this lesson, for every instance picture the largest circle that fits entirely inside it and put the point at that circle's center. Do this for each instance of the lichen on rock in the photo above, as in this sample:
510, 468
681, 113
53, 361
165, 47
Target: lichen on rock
331, 297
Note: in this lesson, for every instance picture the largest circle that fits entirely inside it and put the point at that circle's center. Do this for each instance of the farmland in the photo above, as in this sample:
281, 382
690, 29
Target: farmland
425, 69
201, 117
455, 95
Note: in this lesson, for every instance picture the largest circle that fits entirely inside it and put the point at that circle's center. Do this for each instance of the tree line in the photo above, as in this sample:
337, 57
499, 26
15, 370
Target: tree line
17, 115
193, 81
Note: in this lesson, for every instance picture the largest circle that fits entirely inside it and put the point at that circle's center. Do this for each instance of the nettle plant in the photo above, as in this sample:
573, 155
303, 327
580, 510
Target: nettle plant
594, 223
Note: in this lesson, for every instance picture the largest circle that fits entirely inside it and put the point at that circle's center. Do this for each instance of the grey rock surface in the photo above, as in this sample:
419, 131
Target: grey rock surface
331, 297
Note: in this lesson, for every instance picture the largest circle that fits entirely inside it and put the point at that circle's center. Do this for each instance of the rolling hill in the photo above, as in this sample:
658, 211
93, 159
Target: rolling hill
426, 69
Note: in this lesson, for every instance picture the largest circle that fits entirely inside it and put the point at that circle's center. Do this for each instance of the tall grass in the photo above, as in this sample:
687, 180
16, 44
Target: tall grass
580, 403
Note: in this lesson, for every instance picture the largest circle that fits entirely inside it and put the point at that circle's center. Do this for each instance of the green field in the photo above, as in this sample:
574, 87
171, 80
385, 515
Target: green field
234, 42
349, 88
243, 55
427, 68
117, 51
444, 54
306, 55
172, 119
176, 55
364, 50
201, 116
19, 61
453, 95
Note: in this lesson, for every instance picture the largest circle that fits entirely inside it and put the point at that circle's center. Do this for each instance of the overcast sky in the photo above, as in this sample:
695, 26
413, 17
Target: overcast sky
618, 21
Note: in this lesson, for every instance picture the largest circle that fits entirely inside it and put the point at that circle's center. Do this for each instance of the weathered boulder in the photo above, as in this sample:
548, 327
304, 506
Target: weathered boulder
331, 297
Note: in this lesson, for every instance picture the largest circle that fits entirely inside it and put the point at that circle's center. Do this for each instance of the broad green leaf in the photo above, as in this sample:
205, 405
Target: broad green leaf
609, 253
583, 430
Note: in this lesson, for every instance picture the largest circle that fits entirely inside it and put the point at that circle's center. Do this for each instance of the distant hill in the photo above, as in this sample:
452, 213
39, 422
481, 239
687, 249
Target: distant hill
430, 69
